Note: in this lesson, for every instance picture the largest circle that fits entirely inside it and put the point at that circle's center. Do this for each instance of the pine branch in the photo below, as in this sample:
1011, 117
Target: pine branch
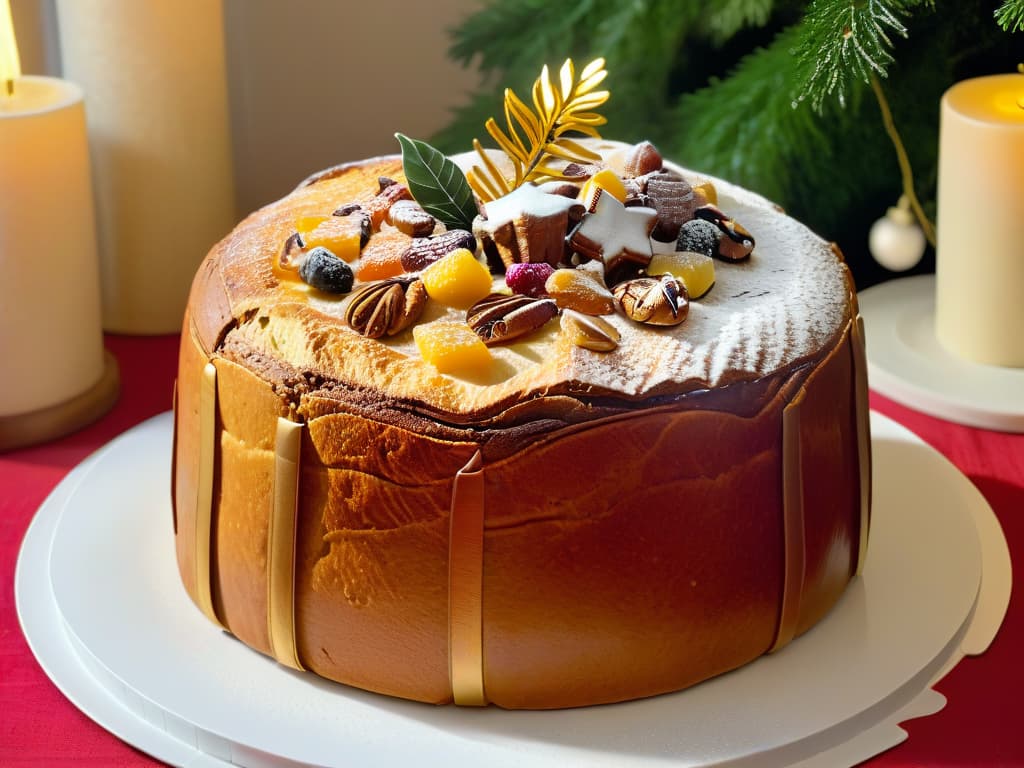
731, 16
844, 41
1010, 15
744, 127
645, 45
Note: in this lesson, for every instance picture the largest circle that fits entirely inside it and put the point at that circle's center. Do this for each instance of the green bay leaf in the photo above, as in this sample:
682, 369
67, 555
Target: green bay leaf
438, 184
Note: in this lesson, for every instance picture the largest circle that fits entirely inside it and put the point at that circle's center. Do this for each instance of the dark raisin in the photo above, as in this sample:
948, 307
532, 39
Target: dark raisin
326, 272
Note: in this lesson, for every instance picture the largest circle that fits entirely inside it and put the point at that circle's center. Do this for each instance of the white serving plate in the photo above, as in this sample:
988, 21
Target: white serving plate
102, 607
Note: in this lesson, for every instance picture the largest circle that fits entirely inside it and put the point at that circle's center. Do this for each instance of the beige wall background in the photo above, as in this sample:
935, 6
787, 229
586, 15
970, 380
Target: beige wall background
311, 83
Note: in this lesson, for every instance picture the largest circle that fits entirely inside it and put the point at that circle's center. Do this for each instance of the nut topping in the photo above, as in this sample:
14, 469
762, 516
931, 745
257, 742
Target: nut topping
653, 301
386, 307
642, 159
424, 251
389, 194
409, 217
499, 318
593, 333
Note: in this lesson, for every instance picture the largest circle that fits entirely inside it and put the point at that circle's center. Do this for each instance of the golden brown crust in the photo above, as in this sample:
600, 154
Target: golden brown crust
631, 546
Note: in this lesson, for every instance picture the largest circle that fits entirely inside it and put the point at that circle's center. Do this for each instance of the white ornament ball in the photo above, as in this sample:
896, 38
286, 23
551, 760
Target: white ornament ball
896, 241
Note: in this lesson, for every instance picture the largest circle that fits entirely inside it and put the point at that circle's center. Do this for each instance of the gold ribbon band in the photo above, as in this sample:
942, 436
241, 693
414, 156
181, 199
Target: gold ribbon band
465, 586
793, 524
863, 416
281, 544
174, 457
204, 494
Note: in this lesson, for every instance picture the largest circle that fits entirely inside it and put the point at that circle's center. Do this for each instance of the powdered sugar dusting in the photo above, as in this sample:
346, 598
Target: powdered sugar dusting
784, 304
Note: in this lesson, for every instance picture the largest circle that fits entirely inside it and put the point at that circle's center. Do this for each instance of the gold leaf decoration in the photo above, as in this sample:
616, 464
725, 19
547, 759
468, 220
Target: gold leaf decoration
535, 138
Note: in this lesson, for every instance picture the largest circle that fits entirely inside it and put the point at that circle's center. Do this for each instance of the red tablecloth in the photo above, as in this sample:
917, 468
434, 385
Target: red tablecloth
980, 726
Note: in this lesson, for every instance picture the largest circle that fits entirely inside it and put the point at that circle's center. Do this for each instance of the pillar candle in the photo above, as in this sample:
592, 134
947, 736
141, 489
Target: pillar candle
51, 344
979, 312
154, 73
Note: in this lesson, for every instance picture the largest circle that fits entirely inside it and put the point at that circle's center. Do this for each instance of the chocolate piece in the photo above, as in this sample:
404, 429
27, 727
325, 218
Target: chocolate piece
737, 243
675, 203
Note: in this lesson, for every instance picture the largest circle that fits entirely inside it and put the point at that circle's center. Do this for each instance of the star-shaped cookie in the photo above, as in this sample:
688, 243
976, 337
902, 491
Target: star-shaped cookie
615, 233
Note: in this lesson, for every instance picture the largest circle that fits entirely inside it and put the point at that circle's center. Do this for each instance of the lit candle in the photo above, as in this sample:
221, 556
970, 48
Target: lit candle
980, 229
52, 365
10, 63
156, 80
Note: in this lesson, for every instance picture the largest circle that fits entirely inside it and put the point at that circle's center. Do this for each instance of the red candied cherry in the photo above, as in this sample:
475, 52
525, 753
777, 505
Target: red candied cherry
528, 279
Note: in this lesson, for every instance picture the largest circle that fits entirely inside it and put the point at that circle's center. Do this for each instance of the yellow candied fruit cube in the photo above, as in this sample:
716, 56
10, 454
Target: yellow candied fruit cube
695, 270
452, 347
338, 234
306, 224
457, 280
707, 189
607, 180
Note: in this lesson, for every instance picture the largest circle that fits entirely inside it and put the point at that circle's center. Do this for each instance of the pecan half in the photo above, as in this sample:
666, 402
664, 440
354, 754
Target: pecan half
424, 251
386, 307
653, 301
499, 318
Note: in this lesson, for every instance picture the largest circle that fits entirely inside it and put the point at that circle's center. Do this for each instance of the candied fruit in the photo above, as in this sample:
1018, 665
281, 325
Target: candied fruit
382, 256
606, 180
695, 270
458, 279
341, 235
581, 290
528, 279
306, 224
708, 191
452, 347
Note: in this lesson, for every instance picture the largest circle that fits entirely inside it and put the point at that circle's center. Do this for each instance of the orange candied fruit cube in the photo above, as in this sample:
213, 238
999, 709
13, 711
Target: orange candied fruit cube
452, 347
338, 234
382, 256
458, 279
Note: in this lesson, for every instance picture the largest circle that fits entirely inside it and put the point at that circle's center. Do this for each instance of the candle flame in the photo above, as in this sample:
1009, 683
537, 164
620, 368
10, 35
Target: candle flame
10, 63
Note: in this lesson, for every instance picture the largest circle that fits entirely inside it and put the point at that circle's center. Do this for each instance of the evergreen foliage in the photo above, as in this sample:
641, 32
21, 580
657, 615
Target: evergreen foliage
1010, 15
772, 94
